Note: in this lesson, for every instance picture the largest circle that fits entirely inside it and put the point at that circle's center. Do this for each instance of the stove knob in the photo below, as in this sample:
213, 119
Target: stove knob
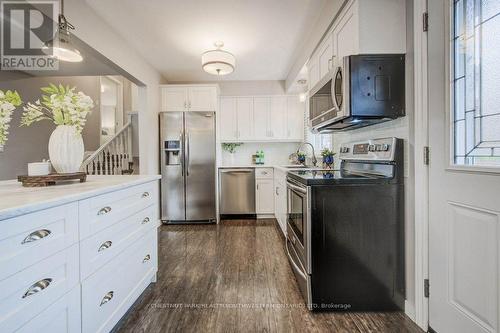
385, 147
371, 147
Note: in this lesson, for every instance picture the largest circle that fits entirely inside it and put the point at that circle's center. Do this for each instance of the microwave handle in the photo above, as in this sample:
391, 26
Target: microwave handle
333, 86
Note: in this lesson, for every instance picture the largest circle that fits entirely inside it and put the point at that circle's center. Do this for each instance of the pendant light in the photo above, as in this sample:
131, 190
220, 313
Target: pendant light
61, 47
218, 62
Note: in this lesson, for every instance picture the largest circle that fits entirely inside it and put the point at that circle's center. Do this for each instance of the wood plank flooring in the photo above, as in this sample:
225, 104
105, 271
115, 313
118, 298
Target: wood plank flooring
235, 277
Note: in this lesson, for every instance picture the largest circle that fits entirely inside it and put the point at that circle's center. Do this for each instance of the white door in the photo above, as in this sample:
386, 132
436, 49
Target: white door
264, 196
277, 118
201, 99
325, 56
261, 111
295, 118
244, 110
464, 206
228, 125
346, 36
174, 99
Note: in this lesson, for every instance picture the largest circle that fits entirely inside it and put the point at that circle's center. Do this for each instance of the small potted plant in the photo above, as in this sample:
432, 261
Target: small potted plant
327, 155
231, 149
301, 157
68, 110
9, 100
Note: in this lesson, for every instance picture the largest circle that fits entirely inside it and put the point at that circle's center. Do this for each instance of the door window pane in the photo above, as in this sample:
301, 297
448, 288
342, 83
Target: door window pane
476, 82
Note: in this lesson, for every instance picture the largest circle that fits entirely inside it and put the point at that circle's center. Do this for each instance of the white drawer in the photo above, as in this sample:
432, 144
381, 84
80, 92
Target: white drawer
100, 248
29, 292
264, 173
64, 316
107, 294
27, 239
105, 210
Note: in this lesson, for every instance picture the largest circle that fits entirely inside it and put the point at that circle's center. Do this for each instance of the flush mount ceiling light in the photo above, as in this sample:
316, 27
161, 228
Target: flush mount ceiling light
61, 47
218, 62
302, 81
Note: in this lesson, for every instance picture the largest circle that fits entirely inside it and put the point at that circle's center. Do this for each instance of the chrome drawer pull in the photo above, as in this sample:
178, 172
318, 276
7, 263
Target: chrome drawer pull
36, 235
146, 258
107, 298
104, 210
146, 220
145, 195
105, 245
37, 287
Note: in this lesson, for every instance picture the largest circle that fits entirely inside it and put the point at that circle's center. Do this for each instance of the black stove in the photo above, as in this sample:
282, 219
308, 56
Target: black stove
345, 229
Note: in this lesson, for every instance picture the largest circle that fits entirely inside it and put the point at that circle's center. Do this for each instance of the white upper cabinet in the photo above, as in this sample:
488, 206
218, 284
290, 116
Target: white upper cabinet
325, 57
278, 118
228, 123
261, 118
363, 27
188, 98
261, 112
244, 116
295, 119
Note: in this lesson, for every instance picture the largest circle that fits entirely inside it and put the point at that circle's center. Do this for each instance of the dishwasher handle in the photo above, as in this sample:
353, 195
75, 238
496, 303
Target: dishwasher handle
237, 171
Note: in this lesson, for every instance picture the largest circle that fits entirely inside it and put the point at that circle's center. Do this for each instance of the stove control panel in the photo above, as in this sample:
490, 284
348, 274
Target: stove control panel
372, 150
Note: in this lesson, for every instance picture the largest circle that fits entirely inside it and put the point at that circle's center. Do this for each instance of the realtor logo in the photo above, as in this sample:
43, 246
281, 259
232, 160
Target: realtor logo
25, 27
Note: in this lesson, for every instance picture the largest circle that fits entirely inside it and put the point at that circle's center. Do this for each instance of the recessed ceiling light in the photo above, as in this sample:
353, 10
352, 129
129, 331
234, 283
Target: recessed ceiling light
302, 81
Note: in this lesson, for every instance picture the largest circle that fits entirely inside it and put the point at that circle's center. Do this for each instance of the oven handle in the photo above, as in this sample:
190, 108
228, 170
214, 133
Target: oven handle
296, 188
297, 268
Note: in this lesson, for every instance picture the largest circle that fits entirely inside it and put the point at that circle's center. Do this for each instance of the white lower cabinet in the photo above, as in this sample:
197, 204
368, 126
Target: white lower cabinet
264, 191
81, 265
280, 199
108, 293
61, 317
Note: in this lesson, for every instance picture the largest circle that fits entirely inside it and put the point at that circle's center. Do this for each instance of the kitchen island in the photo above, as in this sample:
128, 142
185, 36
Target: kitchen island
76, 256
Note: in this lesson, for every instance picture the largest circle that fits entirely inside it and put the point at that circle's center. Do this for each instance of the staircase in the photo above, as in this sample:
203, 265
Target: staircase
114, 157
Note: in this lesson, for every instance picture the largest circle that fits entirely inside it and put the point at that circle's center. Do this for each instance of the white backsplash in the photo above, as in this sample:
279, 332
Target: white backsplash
274, 153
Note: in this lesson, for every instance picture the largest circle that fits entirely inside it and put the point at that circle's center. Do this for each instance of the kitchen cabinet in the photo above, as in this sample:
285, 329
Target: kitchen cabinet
188, 98
295, 110
228, 123
277, 118
244, 116
264, 191
363, 27
280, 199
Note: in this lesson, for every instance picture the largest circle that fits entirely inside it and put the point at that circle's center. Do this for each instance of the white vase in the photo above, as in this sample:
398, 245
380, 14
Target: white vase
66, 149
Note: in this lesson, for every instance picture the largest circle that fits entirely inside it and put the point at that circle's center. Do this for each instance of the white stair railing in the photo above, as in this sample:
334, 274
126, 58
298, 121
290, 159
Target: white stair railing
114, 157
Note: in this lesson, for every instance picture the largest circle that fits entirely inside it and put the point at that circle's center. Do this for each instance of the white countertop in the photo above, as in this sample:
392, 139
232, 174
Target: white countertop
17, 200
283, 168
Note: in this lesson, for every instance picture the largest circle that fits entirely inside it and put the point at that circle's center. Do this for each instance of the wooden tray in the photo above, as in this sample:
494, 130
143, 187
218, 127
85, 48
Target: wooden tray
52, 179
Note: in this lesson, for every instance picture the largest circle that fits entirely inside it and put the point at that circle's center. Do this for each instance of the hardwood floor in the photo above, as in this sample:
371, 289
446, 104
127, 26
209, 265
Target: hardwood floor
235, 277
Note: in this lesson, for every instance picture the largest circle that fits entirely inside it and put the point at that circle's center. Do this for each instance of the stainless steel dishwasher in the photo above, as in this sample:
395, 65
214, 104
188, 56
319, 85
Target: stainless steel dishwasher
237, 191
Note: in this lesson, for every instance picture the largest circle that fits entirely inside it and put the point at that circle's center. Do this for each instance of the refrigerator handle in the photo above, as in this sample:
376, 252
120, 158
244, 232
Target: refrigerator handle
188, 153
181, 139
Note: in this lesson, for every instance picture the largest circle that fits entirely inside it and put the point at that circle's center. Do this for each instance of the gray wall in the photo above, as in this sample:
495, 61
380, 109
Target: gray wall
29, 144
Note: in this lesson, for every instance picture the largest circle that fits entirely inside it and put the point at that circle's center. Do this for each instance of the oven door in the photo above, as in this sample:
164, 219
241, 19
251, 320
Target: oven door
298, 223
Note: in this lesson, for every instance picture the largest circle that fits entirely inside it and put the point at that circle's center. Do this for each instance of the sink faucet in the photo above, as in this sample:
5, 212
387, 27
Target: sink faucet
313, 159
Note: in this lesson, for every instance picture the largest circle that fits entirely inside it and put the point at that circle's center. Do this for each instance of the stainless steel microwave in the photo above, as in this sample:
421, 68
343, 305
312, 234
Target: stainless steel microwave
364, 90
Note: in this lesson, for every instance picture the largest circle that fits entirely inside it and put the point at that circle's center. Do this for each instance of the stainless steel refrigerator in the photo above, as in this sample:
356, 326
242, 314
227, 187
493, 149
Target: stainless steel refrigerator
187, 148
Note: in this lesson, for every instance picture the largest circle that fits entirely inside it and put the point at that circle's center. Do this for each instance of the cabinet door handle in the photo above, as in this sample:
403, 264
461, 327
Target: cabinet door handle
257, 187
145, 195
277, 191
36, 235
146, 220
146, 258
109, 295
105, 245
185, 105
104, 210
37, 287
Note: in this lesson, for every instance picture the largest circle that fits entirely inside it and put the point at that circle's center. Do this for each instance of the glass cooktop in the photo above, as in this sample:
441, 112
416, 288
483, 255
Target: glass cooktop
325, 177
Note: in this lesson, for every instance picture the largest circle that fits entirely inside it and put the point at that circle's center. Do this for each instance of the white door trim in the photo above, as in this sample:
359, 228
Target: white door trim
421, 170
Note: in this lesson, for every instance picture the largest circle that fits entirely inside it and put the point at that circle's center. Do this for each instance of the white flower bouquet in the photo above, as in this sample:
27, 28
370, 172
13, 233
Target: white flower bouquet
8, 103
61, 105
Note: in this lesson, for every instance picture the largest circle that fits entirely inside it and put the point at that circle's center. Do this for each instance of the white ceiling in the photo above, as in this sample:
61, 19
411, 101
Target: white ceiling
171, 34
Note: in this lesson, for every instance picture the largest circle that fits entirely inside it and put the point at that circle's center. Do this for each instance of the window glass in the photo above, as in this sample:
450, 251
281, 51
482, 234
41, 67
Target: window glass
476, 82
